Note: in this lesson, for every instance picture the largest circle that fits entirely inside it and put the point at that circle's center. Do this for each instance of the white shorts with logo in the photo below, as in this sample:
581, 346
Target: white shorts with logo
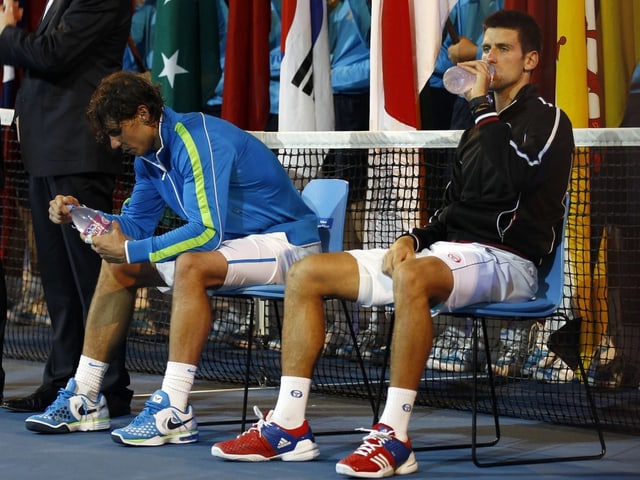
252, 260
480, 274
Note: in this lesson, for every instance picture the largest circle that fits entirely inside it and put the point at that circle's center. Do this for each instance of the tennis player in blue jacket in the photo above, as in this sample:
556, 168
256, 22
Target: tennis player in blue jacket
244, 223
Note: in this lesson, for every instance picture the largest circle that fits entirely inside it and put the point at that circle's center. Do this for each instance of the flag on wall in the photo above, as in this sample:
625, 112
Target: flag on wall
545, 15
246, 86
405, 41
306, 99
576, 73
186, 60
620, 42
571, 68
593, 79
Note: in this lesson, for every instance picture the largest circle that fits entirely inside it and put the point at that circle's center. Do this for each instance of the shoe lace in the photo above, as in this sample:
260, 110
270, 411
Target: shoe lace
59, 402
147, 413
373, 440
257, 427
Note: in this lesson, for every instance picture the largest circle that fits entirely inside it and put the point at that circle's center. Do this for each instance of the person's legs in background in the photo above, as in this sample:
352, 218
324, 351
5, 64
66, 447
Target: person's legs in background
69, 270
3, 323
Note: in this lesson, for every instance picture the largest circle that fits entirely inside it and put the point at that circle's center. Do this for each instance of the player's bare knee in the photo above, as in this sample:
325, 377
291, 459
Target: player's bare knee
190, 268
304, 274
410, 280
121, 273
427, 277
299, 273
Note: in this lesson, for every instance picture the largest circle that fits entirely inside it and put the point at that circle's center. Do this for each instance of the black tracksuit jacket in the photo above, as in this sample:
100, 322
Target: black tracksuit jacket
508, 180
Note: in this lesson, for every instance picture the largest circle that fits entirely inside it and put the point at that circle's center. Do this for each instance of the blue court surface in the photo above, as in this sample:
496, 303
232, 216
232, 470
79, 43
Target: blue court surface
27, 455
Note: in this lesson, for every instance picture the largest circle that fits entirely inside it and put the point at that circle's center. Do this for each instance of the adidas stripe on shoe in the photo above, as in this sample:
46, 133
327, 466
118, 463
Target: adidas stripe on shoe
380, 455
267, 441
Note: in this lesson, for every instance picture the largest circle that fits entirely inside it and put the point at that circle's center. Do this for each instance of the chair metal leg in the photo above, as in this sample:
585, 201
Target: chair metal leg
247, 372
474, 444
492, 388
533, 461
365, 377
383, 370
247, 377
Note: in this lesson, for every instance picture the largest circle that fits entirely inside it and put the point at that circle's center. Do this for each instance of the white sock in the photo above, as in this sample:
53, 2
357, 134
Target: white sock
89, 376
291, 406
398, 409
177, 383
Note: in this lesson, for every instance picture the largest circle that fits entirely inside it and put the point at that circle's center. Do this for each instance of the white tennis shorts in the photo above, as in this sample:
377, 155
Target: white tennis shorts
252, 260
480, 274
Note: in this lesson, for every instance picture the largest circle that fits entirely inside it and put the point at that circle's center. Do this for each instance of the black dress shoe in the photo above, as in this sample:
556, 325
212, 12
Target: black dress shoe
38, 401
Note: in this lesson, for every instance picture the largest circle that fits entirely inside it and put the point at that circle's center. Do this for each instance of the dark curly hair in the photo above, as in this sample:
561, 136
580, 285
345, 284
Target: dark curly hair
117, 98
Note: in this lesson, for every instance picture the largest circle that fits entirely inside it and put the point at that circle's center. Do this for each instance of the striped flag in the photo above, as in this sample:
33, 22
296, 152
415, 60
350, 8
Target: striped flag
246, 70
306, 99
593, 80
576, 72
405, 41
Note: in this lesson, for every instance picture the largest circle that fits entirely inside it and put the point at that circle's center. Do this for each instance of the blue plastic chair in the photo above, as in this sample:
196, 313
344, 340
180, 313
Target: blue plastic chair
548, 298
327, 197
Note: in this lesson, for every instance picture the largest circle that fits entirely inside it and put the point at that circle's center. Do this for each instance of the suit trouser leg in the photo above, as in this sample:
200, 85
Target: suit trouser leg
69, 270
3, 322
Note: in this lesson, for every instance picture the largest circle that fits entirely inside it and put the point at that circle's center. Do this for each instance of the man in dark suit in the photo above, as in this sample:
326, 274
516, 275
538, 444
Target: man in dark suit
76, 44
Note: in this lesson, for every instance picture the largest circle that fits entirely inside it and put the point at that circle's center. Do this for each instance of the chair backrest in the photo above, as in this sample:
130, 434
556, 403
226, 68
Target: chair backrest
551, 275
551, 272
327, 197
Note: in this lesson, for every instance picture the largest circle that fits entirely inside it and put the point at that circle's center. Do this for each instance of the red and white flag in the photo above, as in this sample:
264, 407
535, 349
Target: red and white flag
405, 41
306, 99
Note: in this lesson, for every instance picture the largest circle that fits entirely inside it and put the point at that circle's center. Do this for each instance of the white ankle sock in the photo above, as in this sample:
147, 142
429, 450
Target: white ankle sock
291, 406
177, 383
397, 411
89, 376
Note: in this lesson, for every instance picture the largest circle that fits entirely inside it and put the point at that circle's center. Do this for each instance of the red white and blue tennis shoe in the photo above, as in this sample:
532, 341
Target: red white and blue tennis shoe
267, 441
380, 455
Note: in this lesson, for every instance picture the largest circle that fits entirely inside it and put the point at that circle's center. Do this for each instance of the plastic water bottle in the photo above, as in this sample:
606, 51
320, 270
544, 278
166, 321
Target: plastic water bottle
88, 221
457, 80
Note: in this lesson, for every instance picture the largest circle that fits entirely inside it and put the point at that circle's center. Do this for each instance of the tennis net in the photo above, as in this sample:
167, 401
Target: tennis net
397, 180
